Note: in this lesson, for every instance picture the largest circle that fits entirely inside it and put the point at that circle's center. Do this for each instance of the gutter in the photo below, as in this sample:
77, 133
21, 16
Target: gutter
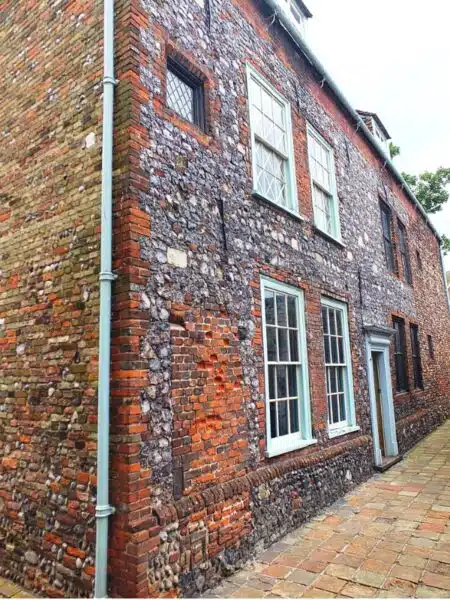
282, 12
103, 509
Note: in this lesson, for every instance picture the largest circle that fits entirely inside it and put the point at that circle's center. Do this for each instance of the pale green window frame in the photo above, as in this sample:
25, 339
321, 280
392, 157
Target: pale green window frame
329, 190
348, 424
301, 438
287, 154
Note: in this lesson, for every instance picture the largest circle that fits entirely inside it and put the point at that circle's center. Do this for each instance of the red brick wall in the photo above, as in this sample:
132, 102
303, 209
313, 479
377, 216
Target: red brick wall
209, 397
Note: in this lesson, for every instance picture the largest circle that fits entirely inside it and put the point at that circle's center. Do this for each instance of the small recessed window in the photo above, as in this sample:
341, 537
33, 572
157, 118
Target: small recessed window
430, 347
185, 94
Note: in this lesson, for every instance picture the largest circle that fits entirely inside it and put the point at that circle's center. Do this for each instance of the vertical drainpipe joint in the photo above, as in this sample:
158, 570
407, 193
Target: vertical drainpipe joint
110, 80
104, 511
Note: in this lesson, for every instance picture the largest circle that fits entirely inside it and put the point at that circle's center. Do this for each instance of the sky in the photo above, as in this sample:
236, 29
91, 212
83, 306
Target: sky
392, 57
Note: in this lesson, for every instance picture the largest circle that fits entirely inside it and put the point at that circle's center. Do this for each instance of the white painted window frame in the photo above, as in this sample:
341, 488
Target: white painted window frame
349, 425
303, 437
291, 182
312, 132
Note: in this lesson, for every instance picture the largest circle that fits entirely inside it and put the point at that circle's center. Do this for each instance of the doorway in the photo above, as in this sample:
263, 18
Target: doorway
381, 402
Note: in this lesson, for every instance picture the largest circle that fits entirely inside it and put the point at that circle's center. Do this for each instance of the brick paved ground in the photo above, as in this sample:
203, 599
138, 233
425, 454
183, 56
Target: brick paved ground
388, 538
8, 589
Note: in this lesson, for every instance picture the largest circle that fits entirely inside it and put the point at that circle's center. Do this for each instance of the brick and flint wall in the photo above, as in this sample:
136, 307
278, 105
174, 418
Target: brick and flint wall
197, 495
194, 494
50, 166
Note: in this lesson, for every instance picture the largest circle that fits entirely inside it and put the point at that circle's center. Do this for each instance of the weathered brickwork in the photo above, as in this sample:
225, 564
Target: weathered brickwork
51, 70
209, 243
194, 492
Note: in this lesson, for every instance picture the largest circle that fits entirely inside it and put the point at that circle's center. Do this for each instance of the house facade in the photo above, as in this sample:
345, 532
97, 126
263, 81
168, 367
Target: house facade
280, 326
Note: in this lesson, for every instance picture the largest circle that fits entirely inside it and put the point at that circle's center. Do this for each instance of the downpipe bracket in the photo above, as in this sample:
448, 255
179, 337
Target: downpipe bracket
107, 276
110, 80
103, 511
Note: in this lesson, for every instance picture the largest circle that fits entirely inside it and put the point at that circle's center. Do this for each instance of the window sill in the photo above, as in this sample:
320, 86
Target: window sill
297, 216
329, 237
298, 445
333, 433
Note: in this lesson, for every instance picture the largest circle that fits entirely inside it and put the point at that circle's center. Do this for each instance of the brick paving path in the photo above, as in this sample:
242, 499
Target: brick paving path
9, 589
390, 537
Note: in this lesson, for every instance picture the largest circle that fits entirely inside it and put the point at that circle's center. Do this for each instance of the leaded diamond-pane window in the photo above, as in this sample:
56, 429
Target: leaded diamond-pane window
321, 166
184, 94
180, 96
273, 167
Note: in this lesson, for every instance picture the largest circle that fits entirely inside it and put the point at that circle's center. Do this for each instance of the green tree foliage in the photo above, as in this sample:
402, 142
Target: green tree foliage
393, 150
445, 244
430, 188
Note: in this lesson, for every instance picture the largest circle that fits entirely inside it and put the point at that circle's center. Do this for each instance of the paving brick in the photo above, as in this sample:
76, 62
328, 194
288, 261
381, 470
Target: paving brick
408, 573
277, 570
288, 589
411, 560
302, 576
355, 590
329, 583
376, 566
341, 571
369, 578
318, 593
394, 587
435, 580
246, 592
424, 591
314, 566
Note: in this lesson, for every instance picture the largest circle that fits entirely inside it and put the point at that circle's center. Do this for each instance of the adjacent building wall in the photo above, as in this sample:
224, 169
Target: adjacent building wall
51, 72
204, 498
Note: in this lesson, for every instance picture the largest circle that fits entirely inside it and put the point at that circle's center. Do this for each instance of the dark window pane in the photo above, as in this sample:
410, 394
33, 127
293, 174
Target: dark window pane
340, 379
400, 354
334, 408
292, 377
281, 382
417, 365
283, 418
273, 419
326, 340
332, 314
292, 311
271, 343
272, 393
283, 345
269, 303
293, 340
281, 310
341, 355
334, 350
333, 382
339, 322
293, 407
342, 410
324, 319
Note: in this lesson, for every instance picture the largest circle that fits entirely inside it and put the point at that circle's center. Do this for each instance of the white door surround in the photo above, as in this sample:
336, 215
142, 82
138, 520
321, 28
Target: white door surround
378, 340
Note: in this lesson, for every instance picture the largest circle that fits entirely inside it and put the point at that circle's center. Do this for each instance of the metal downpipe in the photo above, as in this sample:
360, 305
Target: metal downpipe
103, 509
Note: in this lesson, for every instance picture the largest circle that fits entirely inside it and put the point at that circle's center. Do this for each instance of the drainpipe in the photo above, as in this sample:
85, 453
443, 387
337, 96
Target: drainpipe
103, 509
281, 10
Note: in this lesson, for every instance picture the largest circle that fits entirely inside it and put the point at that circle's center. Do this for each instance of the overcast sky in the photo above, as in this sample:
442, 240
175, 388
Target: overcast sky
392, 57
